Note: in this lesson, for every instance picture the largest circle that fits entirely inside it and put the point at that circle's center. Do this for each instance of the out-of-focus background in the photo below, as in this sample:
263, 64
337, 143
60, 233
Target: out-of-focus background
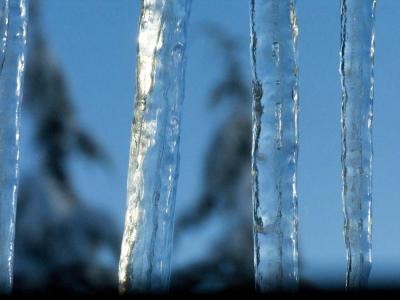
77, 111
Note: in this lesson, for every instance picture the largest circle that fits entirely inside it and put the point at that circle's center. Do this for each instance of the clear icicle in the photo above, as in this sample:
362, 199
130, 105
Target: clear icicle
356, 68
275, 143
13, 22
154, 155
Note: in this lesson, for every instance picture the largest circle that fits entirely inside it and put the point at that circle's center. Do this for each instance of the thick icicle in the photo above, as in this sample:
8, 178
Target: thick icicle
13, 22
154, 157
356, 68
275, 143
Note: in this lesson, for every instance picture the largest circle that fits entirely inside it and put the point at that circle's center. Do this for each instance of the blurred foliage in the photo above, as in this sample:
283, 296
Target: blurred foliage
226, 184
60, 244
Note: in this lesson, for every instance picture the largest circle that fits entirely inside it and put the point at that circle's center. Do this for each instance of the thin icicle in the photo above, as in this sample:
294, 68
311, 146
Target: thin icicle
356, 69
154, 157
275, 143
13, 22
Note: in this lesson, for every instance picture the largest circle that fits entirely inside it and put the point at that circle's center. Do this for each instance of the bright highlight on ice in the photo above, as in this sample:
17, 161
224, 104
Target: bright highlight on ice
154, 155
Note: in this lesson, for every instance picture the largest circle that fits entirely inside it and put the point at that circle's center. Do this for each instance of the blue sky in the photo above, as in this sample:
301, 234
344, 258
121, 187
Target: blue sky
95, 41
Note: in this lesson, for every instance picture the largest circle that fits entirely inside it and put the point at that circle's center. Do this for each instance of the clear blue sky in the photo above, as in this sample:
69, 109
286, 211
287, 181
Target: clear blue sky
95, 41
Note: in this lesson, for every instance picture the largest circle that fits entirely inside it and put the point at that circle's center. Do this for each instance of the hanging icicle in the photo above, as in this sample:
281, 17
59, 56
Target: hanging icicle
13, 22
154, 158
275, 143
356, 69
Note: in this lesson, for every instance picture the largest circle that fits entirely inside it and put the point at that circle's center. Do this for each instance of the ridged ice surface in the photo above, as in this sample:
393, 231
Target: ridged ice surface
275, 143
357, 55
13, 22
154, 155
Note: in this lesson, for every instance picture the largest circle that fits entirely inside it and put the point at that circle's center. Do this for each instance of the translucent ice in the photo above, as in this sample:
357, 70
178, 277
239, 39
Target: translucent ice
275, 143
154, 154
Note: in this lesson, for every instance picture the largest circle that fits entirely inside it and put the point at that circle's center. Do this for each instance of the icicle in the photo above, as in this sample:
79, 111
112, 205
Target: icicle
13, 22
356, 68
154, 158
275, 143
